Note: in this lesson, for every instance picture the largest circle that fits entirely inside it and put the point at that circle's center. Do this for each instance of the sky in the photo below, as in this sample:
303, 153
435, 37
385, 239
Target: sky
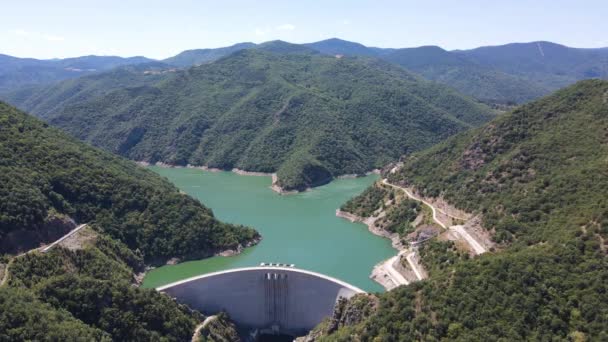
160, 29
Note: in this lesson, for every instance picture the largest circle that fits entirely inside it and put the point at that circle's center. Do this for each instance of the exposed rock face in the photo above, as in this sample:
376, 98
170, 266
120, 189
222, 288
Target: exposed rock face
220, 329
346, 313
353, 311
21, 240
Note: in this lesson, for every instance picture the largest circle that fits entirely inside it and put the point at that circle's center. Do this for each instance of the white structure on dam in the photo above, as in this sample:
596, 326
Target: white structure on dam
277, 298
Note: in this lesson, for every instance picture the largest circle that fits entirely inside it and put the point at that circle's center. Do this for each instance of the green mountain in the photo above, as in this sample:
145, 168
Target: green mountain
539, 177
43, 100
83, 289
199, 56
335, 46
482, 82
19, 72
517, 72
47, 177
546, 64
278, 108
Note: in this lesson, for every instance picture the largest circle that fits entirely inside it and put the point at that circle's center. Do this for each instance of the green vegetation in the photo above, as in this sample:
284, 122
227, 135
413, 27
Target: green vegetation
94, 285
539, 167
19, 72
497, 75
482, 82
135, 217
399, 217
25, 318
399, 214
220, 329
438, 256
44, 173
277, 108
544, 64
370, 200
199, 56
539, 177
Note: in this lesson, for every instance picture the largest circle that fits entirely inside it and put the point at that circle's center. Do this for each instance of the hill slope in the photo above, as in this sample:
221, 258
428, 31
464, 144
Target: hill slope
18, 72
539, 177
482, 82
43, 100
47, 178
83, 288
543, 159
546, 64
199, 56
335, 46
279, 107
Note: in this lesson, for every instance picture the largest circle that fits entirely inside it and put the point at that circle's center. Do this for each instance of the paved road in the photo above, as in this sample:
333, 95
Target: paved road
410, 195
477, 247
396, 277
410, 260
42, 249
72, 232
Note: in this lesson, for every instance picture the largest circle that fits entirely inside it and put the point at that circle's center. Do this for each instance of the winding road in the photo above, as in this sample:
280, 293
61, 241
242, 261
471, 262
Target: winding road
41, 249
477, 247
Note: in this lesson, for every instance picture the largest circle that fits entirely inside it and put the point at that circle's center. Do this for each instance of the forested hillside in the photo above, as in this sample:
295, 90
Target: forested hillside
46, 176
43, 100
18, 72
539, 177
278, 108
546, 64
502, 74
482, 82
189, 58
84, 289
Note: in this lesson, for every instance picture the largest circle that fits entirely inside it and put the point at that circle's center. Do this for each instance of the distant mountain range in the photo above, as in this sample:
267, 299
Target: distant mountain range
278, 107
17, 72
252, 106
512, 73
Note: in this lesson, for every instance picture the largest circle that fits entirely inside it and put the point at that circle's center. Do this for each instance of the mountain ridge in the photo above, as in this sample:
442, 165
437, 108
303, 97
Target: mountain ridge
251, 110
537, 175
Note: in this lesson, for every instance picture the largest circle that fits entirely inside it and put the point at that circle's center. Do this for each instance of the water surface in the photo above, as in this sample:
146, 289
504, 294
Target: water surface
299, 229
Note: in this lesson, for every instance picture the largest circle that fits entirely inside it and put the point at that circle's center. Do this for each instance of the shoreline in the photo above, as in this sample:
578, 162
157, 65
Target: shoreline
139, 277
369, 222
385, 272
273, 186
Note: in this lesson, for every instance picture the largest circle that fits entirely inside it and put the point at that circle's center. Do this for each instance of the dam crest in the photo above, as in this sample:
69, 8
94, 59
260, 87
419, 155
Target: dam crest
272, 299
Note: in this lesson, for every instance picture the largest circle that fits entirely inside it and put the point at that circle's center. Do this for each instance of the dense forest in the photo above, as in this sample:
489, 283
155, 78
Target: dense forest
482, 82
45, 174
85, 290
503, 74
278, 108
538, 175
21, 72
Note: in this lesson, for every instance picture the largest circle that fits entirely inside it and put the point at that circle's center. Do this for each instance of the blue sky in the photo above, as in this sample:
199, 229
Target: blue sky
159, 29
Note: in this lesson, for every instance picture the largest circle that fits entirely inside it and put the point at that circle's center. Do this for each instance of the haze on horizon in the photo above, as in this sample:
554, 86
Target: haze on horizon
159, 29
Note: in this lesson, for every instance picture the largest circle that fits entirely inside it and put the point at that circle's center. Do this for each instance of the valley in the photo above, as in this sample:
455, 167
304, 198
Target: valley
440, 176
299, 229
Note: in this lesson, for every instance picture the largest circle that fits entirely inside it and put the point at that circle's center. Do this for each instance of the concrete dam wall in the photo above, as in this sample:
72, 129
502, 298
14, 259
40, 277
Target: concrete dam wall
280, 299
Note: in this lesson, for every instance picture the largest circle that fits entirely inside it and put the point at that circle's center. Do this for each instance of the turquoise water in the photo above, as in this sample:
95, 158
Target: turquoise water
299, 229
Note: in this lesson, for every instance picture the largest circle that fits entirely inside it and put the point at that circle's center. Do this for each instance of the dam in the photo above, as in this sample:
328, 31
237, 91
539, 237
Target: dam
271, 298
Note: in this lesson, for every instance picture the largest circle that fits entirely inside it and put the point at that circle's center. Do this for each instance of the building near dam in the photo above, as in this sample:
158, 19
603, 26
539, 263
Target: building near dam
269, 298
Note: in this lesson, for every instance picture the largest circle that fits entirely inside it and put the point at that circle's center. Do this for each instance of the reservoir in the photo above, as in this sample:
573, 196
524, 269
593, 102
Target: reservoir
299, 229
